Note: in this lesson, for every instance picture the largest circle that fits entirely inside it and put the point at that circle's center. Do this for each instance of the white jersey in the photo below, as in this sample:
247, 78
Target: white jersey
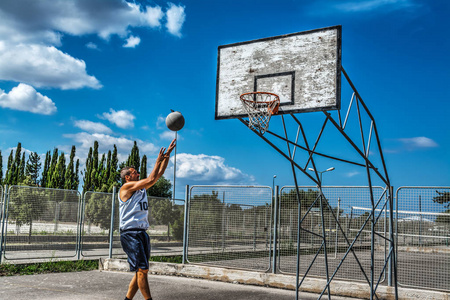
134, 212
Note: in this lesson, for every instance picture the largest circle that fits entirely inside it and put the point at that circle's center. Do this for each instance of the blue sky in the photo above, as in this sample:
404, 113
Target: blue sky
72, 72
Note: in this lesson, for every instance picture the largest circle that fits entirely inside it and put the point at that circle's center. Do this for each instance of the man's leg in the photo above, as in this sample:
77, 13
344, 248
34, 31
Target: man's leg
142, 281
133, 287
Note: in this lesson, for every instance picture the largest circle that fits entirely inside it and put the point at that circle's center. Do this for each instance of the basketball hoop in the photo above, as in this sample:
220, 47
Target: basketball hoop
260, 106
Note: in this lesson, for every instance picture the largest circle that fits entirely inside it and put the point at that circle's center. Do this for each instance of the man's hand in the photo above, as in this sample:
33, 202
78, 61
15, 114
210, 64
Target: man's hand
163, 155
171, 147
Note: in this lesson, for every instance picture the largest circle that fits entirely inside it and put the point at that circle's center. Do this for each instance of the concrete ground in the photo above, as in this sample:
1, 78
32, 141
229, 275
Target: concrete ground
113, 285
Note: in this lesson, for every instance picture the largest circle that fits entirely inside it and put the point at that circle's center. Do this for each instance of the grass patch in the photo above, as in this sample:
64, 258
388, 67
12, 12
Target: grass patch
48, 267
177, 259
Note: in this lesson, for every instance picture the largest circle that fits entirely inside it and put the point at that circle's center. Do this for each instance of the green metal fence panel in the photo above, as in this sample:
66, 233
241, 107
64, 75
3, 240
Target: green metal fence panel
230, 226
40, 223
423, 237
345, 213
96, 225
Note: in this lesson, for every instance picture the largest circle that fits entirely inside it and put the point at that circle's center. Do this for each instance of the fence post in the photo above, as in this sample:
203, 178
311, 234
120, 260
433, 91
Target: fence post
80, 236
391, 236
111, 228
336, 246
3, 219
185, 225
275, 230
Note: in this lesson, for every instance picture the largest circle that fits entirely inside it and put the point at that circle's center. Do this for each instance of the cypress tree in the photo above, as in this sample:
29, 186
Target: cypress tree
1, 168
33, 167
51, 169
16, 165
134, 158
9, 170
95, 156
57, 177
44, 178
87, 186
105, 179
99, 176
143, 173
10, 160
114, 176
69, 176
21, 172
94, 168
76, 181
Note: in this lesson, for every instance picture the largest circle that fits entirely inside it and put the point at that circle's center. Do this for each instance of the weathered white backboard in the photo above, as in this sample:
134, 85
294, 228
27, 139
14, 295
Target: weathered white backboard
303, 69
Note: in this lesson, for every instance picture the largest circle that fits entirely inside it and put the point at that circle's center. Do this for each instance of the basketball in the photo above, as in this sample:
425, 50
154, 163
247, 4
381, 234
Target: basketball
175, 121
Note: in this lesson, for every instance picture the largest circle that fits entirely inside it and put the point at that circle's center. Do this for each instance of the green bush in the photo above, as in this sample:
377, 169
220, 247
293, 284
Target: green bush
48, 267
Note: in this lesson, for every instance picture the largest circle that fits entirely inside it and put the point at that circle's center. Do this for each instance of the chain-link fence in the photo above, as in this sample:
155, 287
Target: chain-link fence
423, 236
96, 226
166, 219
230, 226
344, 221
2, 224
40, 223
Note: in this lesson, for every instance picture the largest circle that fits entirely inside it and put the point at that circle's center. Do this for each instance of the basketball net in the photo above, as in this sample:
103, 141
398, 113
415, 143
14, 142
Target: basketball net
260, 106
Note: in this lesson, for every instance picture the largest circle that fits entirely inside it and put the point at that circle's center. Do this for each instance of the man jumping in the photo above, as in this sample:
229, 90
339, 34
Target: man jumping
133, 211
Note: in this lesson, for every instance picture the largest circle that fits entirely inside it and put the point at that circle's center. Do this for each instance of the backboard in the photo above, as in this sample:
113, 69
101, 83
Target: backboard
303, 69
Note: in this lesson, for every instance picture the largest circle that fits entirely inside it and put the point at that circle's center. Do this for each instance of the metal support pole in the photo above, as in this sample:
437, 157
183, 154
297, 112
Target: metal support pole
392, 268
223, 222
254, 230
275, 230
111, 228
299, 228
337, 221
174, 167
420, 221
185, 225
80, 236
3, 219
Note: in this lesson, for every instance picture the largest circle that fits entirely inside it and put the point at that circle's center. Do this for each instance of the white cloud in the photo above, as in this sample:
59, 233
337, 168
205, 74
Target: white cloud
46, 20
93, 127
29, 33
153, 16
92, 45
132, 42
209, 170
26, 98
175, 19
122, 118
44, 66
161, 122
370, 5
352, 174
168, 135
418, 142
326, 7
106, 142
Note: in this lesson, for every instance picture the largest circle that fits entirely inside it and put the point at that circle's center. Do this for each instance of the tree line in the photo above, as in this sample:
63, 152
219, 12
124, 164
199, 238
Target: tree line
101, 173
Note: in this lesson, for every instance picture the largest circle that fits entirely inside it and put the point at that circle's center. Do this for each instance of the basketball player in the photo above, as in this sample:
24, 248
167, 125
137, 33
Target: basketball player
133, 210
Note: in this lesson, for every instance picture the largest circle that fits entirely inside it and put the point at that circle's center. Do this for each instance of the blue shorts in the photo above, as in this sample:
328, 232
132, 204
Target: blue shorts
136, 244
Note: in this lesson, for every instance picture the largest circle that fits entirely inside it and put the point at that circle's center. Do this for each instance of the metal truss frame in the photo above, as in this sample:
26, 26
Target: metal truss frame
362, 149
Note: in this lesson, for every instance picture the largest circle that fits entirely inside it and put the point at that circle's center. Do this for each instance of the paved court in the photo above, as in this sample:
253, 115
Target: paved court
113, 285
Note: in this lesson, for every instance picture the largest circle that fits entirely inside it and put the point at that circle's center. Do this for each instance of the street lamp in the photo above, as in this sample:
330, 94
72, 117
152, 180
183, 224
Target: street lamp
273, 181
321, 172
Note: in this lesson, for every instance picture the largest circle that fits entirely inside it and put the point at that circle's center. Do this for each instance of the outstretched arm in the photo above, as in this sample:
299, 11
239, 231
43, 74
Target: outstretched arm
162, 160
165, 162
127, 190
